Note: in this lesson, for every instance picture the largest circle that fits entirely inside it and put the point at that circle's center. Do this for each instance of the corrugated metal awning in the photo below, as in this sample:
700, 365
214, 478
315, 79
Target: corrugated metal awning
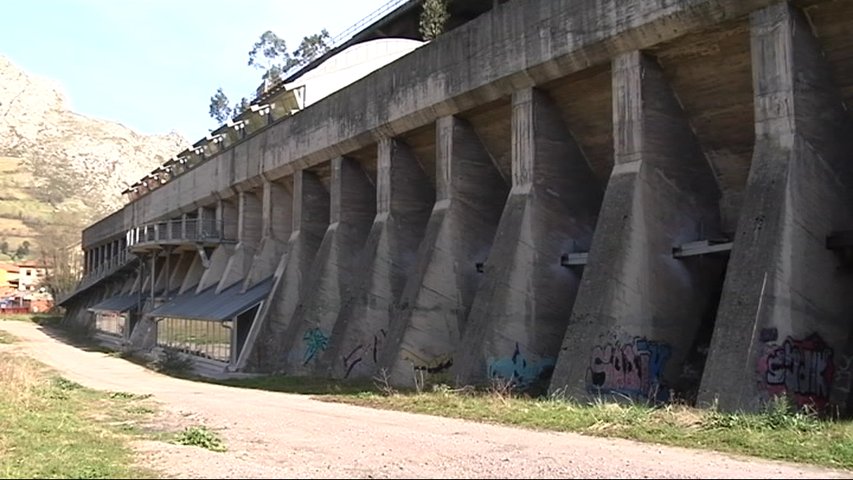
208, 305
117, 303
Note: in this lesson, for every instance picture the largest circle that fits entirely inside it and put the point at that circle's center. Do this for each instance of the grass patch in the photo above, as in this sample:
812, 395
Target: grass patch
780, 433
51, 427
46, 319
301, 385
200, 436
6, 337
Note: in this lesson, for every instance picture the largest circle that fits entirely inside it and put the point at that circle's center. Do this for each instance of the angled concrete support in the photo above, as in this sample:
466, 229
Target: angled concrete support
183, 262
521, 309
639, 309
310, 221
249, 231
277, 225
784, 316
194, 272
333, 273
470, 194
218, 262
404, 199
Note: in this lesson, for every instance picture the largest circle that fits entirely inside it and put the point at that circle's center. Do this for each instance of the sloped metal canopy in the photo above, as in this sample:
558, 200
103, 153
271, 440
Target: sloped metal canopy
208, 305
118, 303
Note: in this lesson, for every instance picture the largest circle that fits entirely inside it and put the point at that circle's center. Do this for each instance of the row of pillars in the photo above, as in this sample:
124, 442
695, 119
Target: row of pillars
98, 259
455, 272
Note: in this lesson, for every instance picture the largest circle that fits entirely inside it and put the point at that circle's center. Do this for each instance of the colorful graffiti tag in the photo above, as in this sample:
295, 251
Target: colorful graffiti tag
633, 369
519, 370
315, 342
364, 352
801, 369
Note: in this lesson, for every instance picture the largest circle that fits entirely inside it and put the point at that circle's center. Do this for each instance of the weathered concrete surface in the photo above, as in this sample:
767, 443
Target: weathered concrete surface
277, 225
785, 306
404, 200
333, 273
470, 194
249, 231
310, 221
194, 274
182, 262
218, 262
521, 309
638, 309
520, 44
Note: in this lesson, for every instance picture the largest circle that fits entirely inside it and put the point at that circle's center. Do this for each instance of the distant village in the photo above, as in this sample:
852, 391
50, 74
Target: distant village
22, 288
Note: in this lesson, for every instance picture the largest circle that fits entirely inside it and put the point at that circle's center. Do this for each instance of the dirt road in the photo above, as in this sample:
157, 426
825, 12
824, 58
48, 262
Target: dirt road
282, 435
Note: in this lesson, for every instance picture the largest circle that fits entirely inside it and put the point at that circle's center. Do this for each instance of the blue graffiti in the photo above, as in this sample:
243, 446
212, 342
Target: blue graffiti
315, 342
634, 369
518, 370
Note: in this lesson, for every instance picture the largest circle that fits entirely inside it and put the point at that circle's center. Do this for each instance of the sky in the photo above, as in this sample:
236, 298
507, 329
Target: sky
152, 65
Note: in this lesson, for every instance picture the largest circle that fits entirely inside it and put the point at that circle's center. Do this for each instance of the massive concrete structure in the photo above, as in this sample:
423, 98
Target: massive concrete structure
640, 199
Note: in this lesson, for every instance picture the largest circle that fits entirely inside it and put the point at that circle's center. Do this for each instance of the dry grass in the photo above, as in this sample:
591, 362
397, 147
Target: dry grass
51, 427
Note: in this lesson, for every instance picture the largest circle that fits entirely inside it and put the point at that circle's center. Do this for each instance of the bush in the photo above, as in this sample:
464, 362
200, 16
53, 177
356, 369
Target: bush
200, 436
173, 363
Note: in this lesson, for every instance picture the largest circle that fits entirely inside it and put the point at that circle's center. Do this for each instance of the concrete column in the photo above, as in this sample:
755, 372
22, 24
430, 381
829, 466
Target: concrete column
333, 273
276, 227
638, 309
226, 224
249, 230
310, 220
181, 264
521, 310
784, 316
228, 218
434, 305
404, 199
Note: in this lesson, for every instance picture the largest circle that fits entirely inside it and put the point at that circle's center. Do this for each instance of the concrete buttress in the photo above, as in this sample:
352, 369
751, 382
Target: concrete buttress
638, 308
333, 274
404, 200
522, 307
470, 194
784, 317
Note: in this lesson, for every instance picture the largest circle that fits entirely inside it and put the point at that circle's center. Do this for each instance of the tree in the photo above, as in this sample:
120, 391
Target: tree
273, 51
270, 54
240, 107
434, 18
312, 47
219, 108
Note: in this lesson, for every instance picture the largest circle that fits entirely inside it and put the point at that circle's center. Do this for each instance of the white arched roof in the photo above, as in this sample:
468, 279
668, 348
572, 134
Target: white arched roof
347, 66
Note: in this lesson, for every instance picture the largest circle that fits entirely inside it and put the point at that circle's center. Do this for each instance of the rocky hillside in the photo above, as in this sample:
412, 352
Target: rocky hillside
68, 169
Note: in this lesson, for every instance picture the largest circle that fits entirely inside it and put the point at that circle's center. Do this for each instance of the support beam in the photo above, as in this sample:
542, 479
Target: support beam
353, 207
636, 303
277, 225
522, 307
249, 231
470, 194
310, 221
404, 200
784, 316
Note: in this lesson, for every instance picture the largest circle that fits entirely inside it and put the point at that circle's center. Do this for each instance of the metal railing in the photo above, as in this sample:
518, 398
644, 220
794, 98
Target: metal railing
177, 231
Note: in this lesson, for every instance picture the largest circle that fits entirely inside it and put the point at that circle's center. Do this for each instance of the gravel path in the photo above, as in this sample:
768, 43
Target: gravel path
275, 435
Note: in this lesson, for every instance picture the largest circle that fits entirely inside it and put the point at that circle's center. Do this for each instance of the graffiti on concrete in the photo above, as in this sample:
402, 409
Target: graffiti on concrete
364, 352
520, 371
315, 342
436, 364
802, 369
633, 369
